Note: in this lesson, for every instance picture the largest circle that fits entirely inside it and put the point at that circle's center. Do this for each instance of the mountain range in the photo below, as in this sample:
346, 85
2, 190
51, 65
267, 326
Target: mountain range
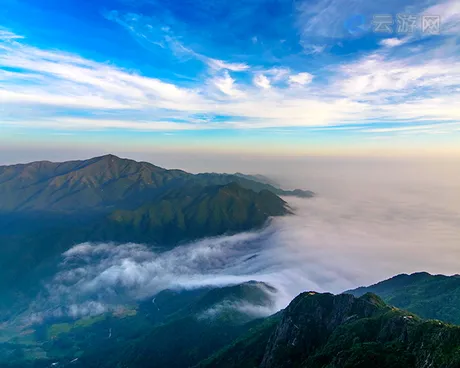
323, 330
112, 199
223, 328
47, 207
103, 183
429, 296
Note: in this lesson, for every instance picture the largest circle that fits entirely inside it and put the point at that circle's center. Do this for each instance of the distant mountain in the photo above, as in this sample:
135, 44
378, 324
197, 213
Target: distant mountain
323, 330
252, 182
259, 178
429, 296
97, 183
101, 183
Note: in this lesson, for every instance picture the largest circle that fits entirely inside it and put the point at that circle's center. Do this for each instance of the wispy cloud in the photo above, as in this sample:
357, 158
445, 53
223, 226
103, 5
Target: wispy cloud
311, 49
226, 84
392, 42
262, 81
7, 35
425, 128
301, 78
220, 64
389, 84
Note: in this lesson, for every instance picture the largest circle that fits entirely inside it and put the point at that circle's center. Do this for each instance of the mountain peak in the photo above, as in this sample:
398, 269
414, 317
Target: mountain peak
108, 157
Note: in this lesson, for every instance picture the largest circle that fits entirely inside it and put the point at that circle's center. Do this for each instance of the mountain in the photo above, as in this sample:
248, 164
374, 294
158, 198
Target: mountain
253, 182
46, 208
175, 329
323, 330
315, 331
100, 183
223, 328
429, 296
259, 178
97, 183
192, 213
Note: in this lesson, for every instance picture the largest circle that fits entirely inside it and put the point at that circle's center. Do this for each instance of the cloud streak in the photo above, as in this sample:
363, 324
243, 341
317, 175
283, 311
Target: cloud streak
389, 84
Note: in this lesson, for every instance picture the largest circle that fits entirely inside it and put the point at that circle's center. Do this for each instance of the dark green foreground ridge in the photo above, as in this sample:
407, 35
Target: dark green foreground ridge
323, 330
315, 331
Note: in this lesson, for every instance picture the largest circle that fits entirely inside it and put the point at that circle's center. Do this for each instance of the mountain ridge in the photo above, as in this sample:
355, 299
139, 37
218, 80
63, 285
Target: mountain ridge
429, 296
102, 182
48, 207
316, 330
342, 331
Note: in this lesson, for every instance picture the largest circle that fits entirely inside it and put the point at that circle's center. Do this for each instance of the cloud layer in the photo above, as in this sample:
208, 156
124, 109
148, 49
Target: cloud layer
368, 222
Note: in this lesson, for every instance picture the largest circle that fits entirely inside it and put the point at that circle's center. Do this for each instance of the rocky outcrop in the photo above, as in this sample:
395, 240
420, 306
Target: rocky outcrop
309, 321
342, 331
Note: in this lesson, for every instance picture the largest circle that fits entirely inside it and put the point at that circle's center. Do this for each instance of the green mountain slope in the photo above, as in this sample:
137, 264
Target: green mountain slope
193, 213
46, 208
32, 242
323, 330
429, 296
178, 329
102, 183
213, 328
250, 182
98, 183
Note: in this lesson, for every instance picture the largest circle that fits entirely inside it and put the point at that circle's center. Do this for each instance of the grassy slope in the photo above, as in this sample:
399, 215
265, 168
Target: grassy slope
429, 296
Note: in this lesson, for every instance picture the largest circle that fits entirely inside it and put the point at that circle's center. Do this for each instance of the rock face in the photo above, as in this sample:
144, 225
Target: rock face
309, 321
327, 331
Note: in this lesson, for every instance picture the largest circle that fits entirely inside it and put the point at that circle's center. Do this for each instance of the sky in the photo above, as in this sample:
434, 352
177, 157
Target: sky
262, 77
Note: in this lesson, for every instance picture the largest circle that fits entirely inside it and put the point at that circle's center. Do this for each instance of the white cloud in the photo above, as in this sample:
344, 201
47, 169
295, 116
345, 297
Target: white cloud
449, 13
220, 64
97, 124
6, 35
427, 128
278, 74
370, 220
392, 42
301, 79
262, 81
421, 86
311, 49
376, 73
226, 84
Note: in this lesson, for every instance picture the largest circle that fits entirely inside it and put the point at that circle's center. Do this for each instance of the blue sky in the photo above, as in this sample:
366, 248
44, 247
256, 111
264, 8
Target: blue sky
277, 76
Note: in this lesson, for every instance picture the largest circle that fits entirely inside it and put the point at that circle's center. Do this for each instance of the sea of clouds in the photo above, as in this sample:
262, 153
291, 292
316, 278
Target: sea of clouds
360, 229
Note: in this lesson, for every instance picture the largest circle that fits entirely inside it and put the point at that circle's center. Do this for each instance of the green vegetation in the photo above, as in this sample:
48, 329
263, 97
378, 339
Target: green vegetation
323, 330
429, 296
102, 183
46, 208
178, 329
209, 328
192, 213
